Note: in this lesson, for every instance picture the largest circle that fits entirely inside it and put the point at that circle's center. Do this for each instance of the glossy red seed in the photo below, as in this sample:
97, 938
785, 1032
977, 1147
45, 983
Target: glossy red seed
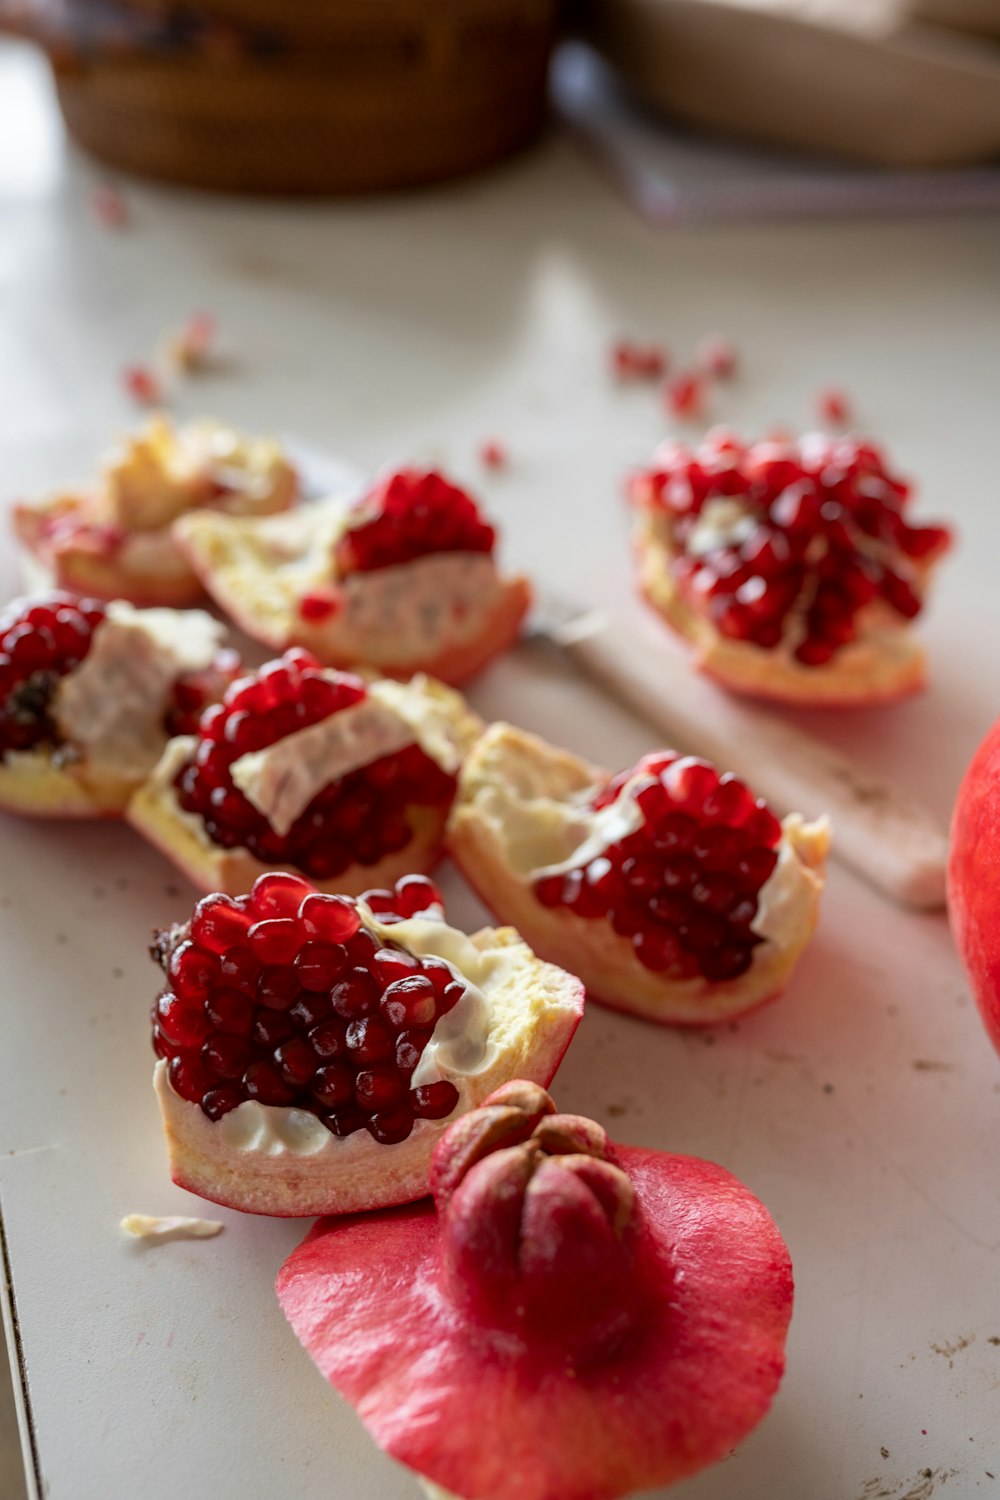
270, 1028
391, 1126
453, 993
379, 1088
333, 1086
277, 987
219, 924
685, 397
295, 1061
434, 1101
192, 971
334, 919
278, 895
329, 1039
182, 1022
415, 893
370, 1040
262, 1081
239, 969
355, 995
189, 1077
226, 1056
319, 965
276, 940
409, 1002
656, 948
409, 1049
310, 1010
221, 1101
390, 964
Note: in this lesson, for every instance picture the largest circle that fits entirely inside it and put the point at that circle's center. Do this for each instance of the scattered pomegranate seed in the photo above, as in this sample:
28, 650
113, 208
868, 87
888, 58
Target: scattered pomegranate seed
407, 515
820, 535
261, 1008
834, 408
356, 819
318, 606
142, 384
717, 357
493, 455
685, 397
684, 886
110, 207
41, 640
632, 361
191, 348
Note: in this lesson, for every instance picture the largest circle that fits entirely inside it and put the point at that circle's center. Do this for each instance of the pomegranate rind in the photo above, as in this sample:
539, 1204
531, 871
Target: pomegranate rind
533, 1015
493, 1416
253, 570
974, 879
884, 666
590, 947
31, 785
143, 483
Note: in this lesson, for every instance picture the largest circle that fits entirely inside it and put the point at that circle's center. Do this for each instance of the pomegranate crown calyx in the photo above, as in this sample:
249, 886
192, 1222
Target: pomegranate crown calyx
538, 1226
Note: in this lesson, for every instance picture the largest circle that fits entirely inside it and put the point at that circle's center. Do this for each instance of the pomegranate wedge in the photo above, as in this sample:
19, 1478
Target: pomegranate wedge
90, 693
312, 1047
113, 540
570, 1320
401, 580
670, 890
791, 567
314, 770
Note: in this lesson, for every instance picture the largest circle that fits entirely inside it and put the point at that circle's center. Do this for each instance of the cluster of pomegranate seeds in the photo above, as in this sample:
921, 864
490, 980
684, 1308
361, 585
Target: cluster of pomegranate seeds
354, 820
286, 997
40, 642
818, 532
407, 515
684, 886
195, 691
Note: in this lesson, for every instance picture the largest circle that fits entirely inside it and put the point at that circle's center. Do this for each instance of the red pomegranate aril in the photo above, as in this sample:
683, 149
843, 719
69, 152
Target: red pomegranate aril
656, 948
726, 962
276, 940
409, 1002
271, 1028
713, 892
191, 971
689, 781
278, 895
226, 1056
549, 890
277, 987
716, 849
409, 1049
379, 1088
438, 972
333, 919
627, 919
762, 827
189, 1077
434, 1101
370, 1040
381, 903
310, 1010
221, 1101
355, 995
755, 867
320, 965
329, 1038
296, 1062
239, 968
345, 1121
263, 1082
642, 874
390, 964
390, 1126
415, 893
182, 1021
453, 993
333, 1086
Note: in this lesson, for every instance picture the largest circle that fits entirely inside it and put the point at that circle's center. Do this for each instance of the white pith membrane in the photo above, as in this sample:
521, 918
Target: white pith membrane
283, 779
151, 479
523, 812
260, 570
514, 1020
110, 709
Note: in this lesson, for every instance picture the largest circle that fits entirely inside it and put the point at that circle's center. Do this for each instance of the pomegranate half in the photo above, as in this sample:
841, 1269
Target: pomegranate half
570, 1320
670, 890
113, 540
312, 1047
90, 694
791, 567
402, 579
309, 769
974, 879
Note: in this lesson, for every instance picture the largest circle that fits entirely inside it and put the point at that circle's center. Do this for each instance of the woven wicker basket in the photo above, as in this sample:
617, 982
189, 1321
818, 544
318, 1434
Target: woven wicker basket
360, 95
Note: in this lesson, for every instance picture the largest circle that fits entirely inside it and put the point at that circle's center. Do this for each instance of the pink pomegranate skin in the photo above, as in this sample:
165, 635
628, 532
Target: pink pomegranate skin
491, 1407
974, 879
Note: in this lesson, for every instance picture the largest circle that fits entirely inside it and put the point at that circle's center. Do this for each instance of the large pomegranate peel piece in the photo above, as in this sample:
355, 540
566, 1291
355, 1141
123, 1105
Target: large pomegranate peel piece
90, 693
113, 539
313, 770
974, 879
791, 567
571, 1320
402, 579
312, 1046
670, 889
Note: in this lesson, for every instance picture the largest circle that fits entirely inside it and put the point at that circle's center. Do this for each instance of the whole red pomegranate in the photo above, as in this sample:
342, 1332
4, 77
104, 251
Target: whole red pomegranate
974, 879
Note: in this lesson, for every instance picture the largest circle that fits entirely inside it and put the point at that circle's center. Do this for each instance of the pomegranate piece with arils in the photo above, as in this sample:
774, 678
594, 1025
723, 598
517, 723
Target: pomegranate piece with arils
570, 1319
359, 818
286, 997
684, 886
293, 1034
671, 890
40, 641
410, 514
792, 566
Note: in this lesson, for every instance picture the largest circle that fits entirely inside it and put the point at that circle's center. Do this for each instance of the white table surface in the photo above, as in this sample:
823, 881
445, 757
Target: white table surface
864, 1107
